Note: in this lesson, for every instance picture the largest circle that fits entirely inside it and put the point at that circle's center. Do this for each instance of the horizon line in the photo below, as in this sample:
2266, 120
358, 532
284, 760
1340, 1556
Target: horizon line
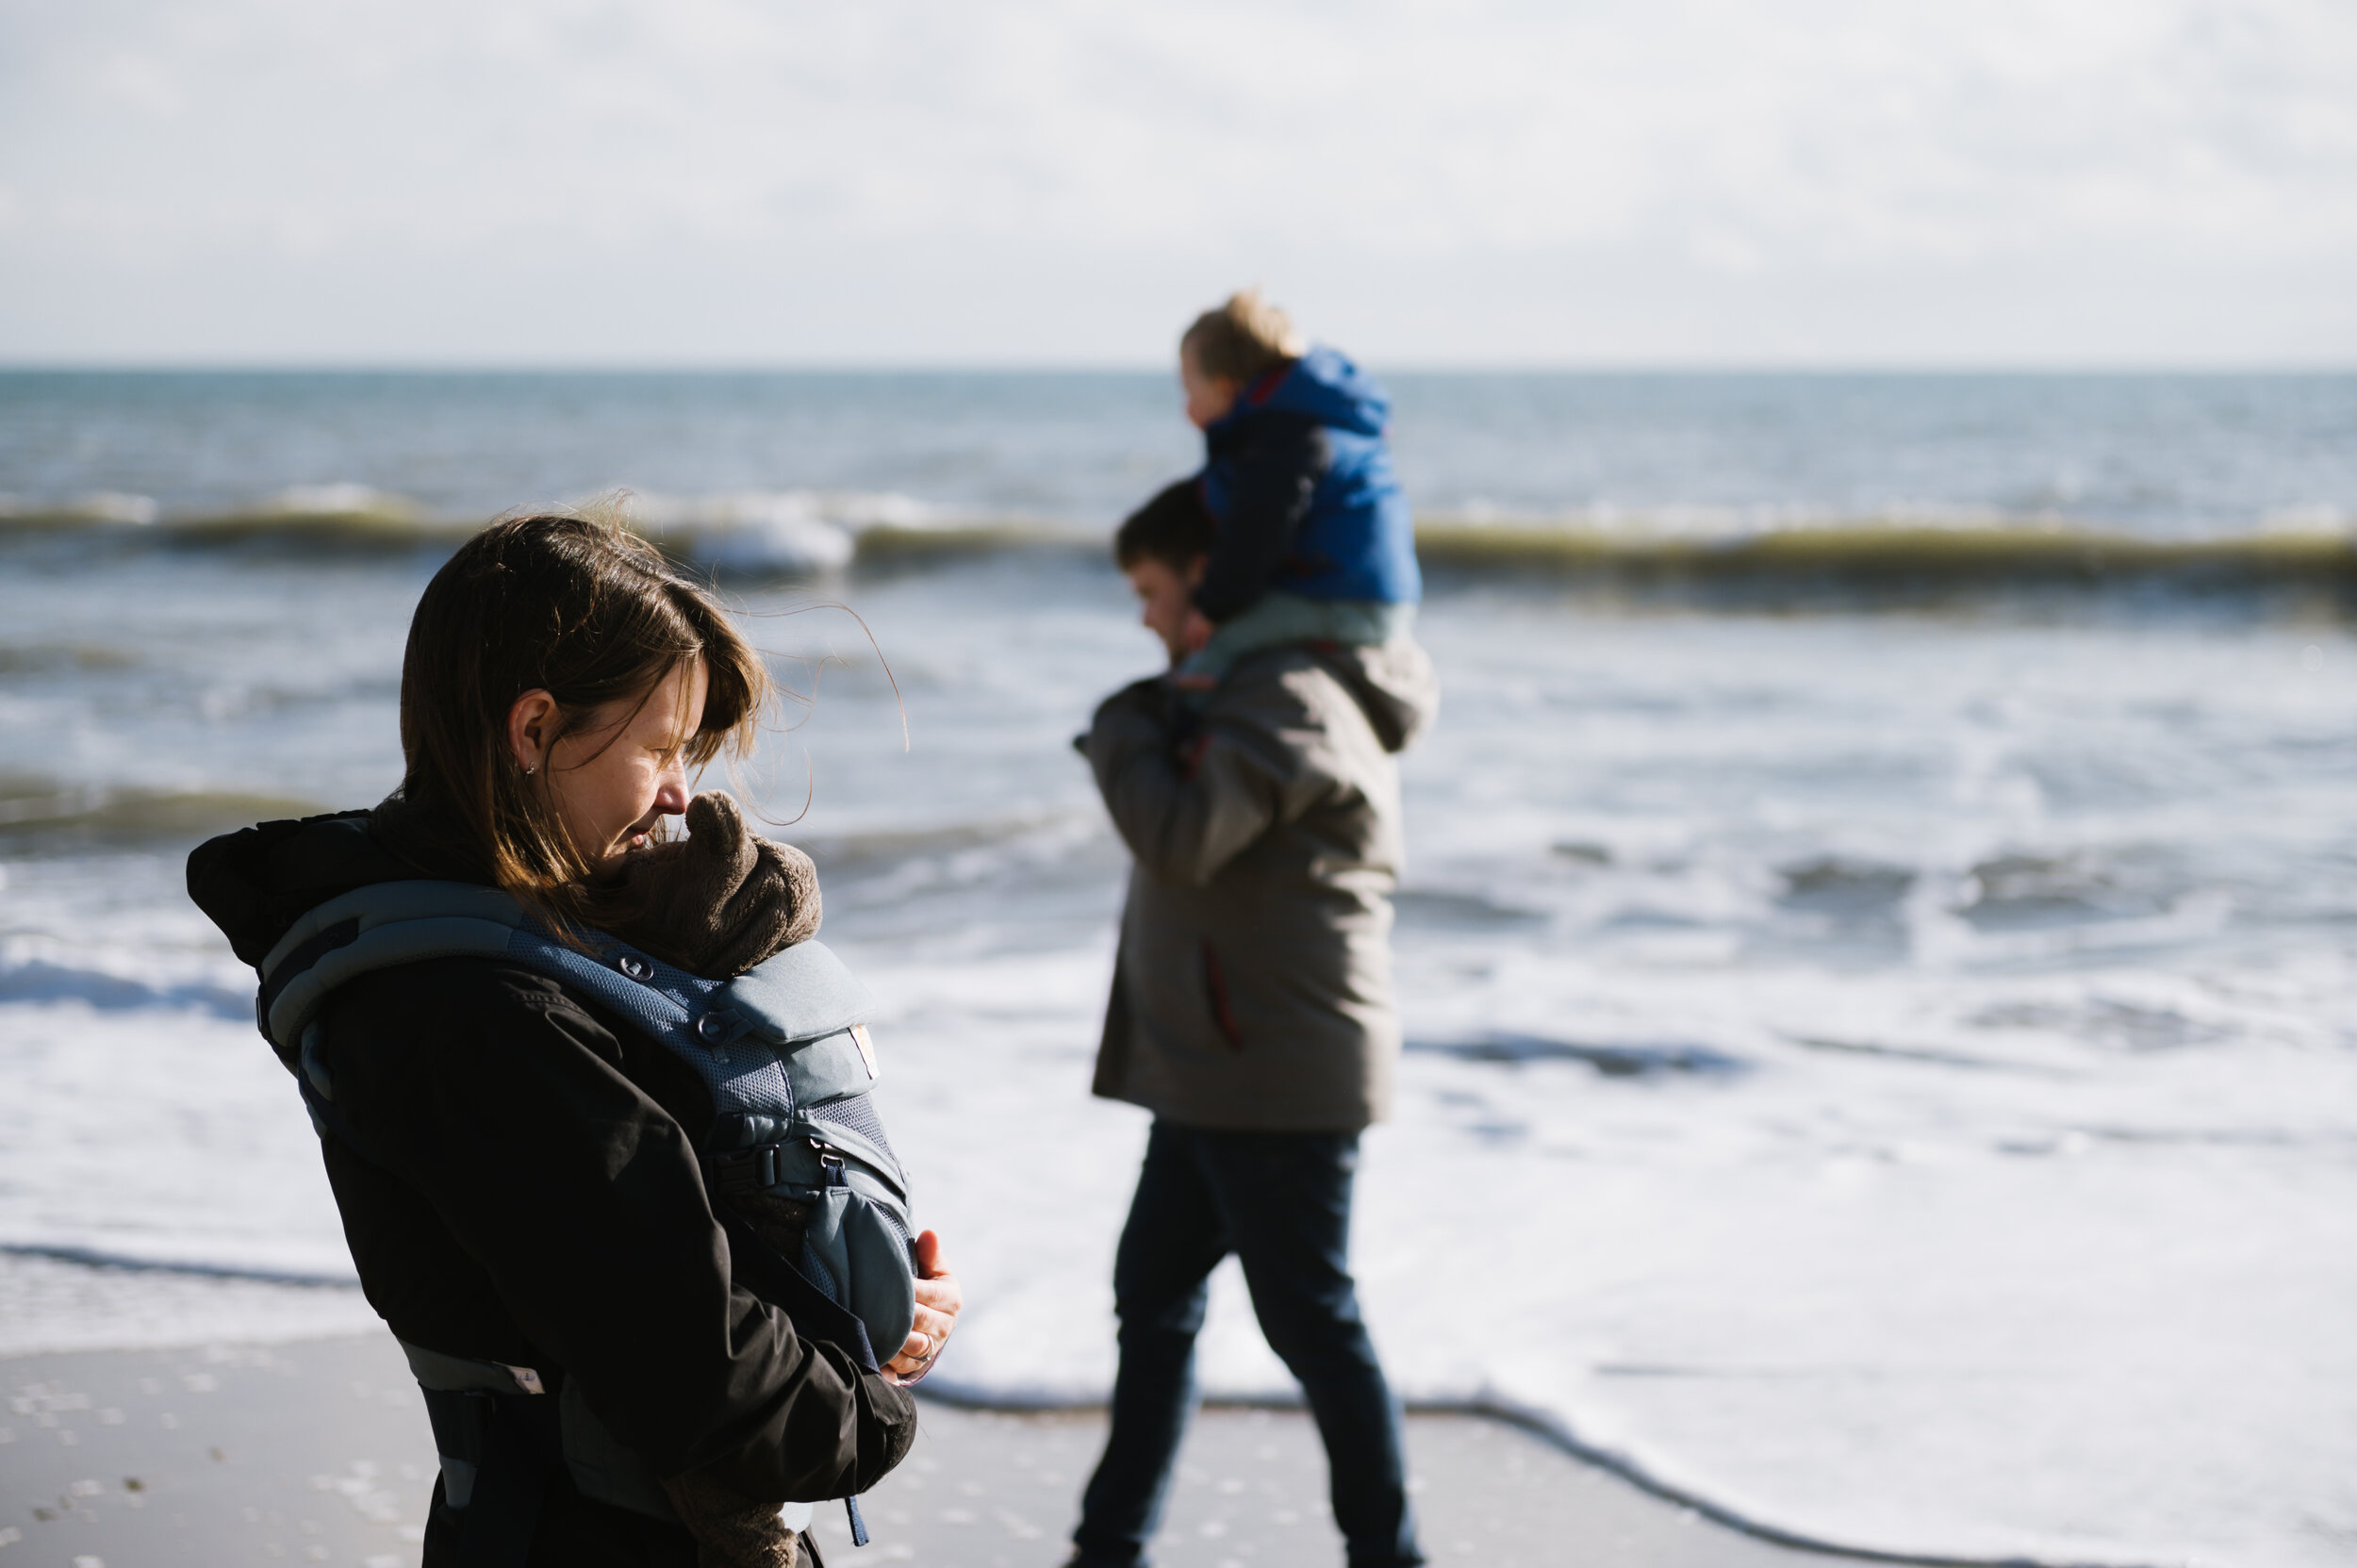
886, 366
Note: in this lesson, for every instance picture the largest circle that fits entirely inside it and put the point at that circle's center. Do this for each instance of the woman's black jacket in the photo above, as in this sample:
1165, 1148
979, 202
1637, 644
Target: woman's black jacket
536, 1199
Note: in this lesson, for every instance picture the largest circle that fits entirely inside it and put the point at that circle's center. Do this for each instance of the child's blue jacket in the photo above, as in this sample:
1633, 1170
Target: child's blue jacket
1299, 480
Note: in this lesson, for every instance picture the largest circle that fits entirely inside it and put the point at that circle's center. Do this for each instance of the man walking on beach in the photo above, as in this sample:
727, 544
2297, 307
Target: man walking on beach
1251, 1013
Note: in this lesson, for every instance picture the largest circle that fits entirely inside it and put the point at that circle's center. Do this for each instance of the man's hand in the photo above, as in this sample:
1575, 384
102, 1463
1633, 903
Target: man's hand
938, 1302
1197, 631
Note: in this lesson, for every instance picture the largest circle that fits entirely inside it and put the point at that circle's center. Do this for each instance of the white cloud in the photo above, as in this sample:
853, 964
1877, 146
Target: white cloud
1860, 180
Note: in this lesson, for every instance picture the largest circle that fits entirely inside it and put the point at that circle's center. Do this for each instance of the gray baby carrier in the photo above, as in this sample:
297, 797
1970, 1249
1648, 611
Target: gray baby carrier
783, 1049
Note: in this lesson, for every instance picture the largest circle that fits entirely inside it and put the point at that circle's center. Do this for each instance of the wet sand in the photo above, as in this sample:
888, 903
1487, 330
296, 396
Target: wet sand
318, 1451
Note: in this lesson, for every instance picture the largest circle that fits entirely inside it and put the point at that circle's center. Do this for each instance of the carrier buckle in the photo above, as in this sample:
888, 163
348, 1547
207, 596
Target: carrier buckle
746, 1170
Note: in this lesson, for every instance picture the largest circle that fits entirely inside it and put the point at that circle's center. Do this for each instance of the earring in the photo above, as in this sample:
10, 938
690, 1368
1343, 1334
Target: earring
529, 768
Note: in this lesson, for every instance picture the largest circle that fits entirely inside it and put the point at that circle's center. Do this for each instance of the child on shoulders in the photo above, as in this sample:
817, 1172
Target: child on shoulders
1314, 541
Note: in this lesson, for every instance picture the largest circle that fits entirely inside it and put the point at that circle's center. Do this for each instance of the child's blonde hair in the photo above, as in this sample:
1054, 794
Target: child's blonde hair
1244, 336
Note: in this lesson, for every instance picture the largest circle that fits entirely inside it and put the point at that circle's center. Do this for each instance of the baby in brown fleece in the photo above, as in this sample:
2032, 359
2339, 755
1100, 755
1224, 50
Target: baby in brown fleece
720, 900
716, 904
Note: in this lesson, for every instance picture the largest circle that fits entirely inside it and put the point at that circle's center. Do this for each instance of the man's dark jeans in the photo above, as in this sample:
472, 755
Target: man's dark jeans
1280, 1202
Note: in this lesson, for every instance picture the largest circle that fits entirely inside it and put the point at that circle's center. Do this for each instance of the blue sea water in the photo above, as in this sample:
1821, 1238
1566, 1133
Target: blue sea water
1906, 1045
2167, 456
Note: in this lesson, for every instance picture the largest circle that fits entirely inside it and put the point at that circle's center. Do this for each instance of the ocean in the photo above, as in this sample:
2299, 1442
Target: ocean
1878, 947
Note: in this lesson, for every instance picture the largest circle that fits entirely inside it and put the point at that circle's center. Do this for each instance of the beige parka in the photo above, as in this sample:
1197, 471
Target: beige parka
1253, 985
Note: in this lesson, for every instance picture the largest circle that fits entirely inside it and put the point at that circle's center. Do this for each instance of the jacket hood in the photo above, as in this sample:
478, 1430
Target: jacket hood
1394, 683
256, 882
1326, 386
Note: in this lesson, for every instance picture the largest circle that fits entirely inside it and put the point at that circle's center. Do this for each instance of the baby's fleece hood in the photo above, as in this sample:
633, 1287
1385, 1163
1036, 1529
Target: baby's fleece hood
1326, 386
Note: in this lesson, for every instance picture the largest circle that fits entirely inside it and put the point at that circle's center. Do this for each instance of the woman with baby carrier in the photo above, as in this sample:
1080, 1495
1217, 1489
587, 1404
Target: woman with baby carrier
593, 1103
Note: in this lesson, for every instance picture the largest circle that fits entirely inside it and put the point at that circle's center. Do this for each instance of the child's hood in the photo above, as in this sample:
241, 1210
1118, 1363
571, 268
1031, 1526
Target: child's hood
1325, 384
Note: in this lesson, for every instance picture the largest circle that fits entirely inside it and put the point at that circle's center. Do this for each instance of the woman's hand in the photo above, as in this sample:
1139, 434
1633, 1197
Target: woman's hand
939, 1300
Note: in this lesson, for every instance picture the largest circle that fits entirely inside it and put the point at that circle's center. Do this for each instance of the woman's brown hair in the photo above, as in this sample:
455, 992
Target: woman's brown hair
588, 612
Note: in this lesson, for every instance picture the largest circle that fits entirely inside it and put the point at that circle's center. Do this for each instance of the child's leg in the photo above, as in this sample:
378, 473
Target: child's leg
1283, 618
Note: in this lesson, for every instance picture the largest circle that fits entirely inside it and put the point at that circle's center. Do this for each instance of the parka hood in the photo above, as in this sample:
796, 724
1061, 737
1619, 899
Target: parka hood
1395, 685
256, 882
1327, 386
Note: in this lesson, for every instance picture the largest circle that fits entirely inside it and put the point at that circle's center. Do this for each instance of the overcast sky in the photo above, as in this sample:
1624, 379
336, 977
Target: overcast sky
1583, 182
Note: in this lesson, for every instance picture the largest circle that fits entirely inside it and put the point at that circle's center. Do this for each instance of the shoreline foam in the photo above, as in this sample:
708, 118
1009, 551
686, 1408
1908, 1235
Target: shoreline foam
321, 1447
338, 1312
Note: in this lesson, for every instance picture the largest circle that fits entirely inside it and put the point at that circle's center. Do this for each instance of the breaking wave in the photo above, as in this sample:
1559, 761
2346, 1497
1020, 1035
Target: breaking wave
41, 980
789, 534
1891, 553
735, 533
36, 811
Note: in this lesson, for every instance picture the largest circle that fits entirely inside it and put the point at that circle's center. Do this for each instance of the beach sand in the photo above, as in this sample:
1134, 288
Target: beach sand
318, 1451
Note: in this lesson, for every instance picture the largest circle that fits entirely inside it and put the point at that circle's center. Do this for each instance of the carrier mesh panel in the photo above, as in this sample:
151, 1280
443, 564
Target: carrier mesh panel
858, 1115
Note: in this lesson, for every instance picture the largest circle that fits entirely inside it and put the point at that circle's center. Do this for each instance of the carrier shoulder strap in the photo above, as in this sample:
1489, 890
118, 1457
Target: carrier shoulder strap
801, 994
798, 1009
375, 928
